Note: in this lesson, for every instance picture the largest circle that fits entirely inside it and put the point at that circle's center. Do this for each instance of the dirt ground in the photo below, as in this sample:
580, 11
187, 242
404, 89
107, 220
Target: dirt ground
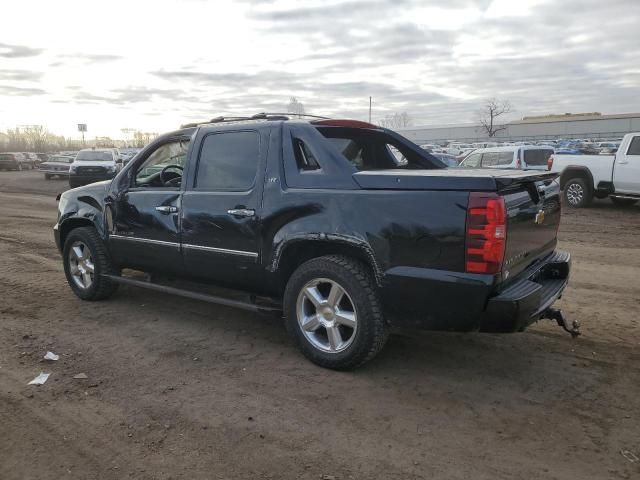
179, 389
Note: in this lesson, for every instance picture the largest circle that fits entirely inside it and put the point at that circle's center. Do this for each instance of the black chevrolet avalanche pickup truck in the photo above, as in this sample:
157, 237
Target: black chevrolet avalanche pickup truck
346, 228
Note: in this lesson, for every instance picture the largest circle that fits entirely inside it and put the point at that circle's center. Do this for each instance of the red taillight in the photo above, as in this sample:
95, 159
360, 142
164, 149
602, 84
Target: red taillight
550, 162
486, 233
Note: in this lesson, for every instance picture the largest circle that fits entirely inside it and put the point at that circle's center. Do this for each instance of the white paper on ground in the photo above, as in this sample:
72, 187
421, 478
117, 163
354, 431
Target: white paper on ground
40, 379
51, 356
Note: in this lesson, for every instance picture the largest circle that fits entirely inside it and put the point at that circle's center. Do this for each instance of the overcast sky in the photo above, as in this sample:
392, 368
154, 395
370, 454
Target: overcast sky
155, 65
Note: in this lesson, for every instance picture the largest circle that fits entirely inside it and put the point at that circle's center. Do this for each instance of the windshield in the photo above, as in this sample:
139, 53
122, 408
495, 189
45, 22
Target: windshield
92, 156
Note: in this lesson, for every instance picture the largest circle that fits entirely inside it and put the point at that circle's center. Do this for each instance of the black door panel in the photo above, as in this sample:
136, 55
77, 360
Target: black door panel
146, 230
221, 208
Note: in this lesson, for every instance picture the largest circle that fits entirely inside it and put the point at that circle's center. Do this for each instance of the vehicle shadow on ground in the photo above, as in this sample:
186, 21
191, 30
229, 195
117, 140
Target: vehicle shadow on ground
541, 366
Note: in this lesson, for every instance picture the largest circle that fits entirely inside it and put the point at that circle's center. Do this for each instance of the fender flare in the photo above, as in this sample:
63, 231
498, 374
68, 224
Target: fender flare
568, 173
327, 238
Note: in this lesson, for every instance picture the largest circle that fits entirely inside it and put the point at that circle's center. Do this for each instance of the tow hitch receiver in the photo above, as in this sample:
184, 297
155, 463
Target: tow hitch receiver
558, 316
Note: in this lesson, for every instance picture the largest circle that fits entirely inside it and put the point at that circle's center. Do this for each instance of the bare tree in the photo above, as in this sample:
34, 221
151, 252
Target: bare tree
396, 120
295, 106
37, 137
16, 141
489, 114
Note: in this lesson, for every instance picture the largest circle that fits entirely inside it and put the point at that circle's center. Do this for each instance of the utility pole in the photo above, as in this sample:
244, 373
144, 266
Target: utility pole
369, 109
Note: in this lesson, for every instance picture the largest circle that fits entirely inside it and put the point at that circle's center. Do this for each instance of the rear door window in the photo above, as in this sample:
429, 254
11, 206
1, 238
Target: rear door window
537, 157
228, 161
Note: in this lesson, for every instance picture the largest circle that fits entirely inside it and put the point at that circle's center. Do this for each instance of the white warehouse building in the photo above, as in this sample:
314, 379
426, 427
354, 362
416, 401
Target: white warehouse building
586, 125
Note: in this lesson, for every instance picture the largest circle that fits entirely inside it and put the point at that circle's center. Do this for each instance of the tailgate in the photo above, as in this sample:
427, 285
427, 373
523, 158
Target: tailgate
533, 217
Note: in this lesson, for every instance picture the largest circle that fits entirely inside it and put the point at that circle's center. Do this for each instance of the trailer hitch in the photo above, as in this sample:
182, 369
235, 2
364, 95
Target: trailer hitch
558, 316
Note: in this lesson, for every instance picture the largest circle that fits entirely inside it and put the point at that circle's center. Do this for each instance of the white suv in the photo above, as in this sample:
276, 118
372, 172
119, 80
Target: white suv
526, 157
93, 165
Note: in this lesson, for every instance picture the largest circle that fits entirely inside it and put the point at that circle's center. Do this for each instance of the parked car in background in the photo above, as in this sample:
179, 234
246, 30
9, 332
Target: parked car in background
567, 151
94, 165
430, 147
583, 177
527, 157
57, 165
32, 160
14, 161
458, 148
448, 160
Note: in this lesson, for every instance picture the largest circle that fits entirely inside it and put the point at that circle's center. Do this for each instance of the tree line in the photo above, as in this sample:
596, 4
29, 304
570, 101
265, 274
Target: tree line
36, 138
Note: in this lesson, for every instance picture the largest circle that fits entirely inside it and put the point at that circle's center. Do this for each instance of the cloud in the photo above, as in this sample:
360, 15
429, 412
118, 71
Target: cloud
20, 91
87, 58
436, 60
18, 51
128, 95
20, 75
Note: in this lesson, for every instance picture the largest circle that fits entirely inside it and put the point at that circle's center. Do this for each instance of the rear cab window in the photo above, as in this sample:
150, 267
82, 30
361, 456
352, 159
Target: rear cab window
634, 146
537, 157
369, 149
497, 159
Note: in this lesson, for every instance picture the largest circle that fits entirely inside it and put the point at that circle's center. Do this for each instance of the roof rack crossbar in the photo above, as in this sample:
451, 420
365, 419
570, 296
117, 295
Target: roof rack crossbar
257, 116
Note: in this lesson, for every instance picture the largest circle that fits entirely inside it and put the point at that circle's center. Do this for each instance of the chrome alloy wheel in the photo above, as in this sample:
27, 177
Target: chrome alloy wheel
575, 193
81, 265
326, 315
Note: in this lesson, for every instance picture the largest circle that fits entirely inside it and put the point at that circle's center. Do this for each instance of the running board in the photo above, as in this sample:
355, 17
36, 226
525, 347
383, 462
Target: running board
625, 197
251, 307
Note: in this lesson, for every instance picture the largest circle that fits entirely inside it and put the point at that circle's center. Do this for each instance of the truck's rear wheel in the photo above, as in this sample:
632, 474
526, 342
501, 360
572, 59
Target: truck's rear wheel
85, 260
577, 193
333, 312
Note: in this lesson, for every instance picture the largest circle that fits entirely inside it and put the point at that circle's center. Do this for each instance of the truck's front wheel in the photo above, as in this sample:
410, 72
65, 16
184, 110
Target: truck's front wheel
577, 193
85, 261
333, 312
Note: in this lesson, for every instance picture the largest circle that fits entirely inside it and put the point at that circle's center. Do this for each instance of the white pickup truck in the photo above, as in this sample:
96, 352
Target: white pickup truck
583, 177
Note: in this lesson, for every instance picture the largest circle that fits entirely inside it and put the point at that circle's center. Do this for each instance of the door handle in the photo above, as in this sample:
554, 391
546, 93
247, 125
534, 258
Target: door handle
166, 209
242, 212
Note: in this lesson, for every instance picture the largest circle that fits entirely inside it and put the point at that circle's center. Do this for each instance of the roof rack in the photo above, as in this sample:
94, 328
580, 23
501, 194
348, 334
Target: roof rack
257, 116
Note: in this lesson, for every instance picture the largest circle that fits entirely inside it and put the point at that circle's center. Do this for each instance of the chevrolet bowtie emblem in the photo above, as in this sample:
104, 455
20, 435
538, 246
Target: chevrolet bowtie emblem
540, 217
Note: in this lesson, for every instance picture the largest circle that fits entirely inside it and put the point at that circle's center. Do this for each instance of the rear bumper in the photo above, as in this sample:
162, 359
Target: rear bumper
527, 300
453, 301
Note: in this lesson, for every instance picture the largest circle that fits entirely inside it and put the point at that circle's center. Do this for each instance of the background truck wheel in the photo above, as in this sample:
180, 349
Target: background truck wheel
47, 176
623, 202
577, 193
333, 312
85, 260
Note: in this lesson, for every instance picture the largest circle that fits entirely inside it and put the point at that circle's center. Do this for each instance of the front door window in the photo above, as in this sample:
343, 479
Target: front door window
164, 167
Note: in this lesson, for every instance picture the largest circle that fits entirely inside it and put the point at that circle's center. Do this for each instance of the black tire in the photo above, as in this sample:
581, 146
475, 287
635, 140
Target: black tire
577, 193
357, 281
101, 287
47, 176
623, 202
